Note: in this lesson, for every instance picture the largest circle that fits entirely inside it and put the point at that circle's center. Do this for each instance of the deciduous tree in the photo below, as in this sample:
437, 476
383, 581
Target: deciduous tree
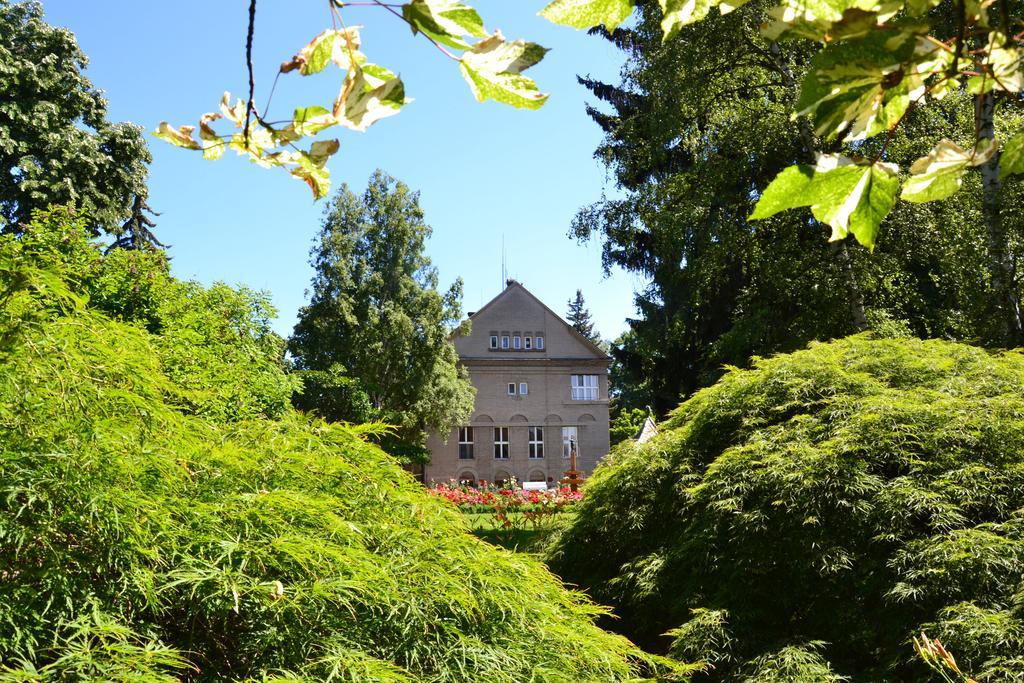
56, 144
376, 313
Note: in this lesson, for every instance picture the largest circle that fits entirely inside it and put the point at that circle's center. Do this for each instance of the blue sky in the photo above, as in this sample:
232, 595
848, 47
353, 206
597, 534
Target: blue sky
486, 172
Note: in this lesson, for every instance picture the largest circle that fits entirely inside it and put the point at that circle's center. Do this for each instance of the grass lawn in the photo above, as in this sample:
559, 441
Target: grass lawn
520, 536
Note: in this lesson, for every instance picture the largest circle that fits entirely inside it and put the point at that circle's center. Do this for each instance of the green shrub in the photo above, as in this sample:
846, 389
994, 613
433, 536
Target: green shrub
845, 496
156, 524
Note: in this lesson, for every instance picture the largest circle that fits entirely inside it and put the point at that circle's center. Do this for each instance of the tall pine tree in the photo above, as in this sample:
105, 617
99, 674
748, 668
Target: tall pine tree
579, 317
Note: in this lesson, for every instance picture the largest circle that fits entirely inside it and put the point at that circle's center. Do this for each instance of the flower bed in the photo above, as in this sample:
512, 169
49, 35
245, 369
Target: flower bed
509, 517
491, 498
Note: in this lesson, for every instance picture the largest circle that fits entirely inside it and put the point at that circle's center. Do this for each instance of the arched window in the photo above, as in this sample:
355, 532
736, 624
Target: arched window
467, 478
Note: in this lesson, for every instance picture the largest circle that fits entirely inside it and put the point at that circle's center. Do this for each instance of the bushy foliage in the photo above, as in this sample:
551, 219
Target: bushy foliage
814, 513
156, 524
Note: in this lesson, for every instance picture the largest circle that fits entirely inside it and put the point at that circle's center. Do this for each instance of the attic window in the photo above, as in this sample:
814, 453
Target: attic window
504, 342
540, 343
517, 342
527, 343
494, 341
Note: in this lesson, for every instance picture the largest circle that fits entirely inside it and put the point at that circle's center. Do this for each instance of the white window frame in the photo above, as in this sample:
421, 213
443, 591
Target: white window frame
504, 342
466, 440
511, 388
494, 341
536, 436
517, 342
501, 443
570, 434
524, 389
540, 343
527, 343
584, 387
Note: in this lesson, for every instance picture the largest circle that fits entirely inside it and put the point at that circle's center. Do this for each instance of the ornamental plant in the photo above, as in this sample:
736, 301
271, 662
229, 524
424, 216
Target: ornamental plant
165, 515
807, 518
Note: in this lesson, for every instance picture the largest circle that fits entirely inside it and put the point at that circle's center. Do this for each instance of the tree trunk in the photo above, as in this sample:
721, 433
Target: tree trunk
1002, 285
857, 315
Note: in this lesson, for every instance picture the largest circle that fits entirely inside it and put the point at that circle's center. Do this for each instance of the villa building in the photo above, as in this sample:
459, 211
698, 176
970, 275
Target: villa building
541, 390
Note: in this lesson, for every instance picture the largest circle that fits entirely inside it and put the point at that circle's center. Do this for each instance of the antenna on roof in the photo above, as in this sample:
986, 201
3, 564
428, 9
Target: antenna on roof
504, 279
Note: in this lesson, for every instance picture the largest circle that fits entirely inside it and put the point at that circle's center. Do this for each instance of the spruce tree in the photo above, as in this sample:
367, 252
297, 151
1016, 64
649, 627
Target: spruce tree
579, 317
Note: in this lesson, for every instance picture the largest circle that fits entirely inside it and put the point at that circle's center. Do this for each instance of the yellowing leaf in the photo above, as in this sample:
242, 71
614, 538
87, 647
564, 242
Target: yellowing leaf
588, 13
828, 20
493, 69
849, 196
678, 13
940, 174
863, 87
213, 145
1002, 67
370, 93
332, 45
235, 114
180, 137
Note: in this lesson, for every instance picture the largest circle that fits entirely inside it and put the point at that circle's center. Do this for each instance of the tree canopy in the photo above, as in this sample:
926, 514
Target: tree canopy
803, 519
56, 144
375, 312
688, 143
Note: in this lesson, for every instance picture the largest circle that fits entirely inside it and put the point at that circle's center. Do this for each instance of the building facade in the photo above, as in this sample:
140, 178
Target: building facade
541, 389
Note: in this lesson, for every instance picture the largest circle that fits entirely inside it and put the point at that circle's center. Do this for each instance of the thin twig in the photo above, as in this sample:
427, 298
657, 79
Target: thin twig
248, 62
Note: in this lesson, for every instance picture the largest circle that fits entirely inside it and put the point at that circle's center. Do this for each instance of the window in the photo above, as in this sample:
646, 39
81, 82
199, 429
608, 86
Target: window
501, 443
540, 343
517, 342
524, 389
584, 387
569, 439
511, 388
504, 341
494, 341
465, 443
527, 341
536, 443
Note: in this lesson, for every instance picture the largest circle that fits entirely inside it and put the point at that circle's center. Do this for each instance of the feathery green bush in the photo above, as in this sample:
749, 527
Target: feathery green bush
802, 520
164, 515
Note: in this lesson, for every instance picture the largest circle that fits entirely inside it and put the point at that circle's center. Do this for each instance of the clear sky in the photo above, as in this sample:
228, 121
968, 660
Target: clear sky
485, 171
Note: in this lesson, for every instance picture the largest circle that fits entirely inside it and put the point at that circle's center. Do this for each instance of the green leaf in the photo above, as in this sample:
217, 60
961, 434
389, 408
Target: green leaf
493, 69
1012, 159
370, 93
863, 87
940, 174
584, 14
180, 137
446, 21
311, 120
850, 197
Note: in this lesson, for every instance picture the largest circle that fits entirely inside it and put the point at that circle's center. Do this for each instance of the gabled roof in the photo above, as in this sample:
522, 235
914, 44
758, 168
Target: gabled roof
511, 285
